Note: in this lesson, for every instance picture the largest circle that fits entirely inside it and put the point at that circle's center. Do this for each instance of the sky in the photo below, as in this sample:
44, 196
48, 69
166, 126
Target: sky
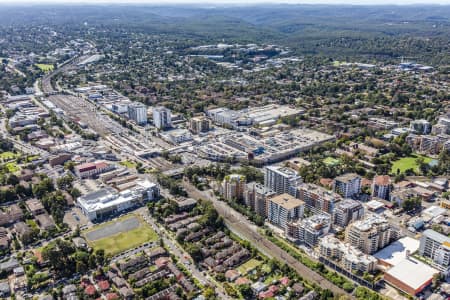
240, 2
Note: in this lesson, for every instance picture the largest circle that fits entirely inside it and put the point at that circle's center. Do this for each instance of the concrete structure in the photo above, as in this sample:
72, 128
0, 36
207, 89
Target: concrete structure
370, 234
87, 170
107, 201
199, 124
348, 257
255, 197
233, 187
436, 246
138, 113
381, 187
420, 126
162, 118
177, 136
284, 208
396, 252
281, 179
347, 185
309, 230
410, 276
347, 211
317, 199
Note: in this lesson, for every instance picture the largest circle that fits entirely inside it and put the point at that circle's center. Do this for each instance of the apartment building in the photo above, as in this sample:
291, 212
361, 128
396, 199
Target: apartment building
346, 212
309, 230
284, 208
370, 234
255, 197
138, 113
162, 118
436, 246
233, 186
199, 124
317, 199
348, 257
347, 185
381, 187
420, 126
281, 179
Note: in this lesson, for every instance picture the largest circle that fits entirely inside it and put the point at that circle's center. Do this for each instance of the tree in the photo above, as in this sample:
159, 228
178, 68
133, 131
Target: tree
246, 291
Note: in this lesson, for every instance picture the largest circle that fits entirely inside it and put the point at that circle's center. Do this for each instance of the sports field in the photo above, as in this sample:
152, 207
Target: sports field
330, 161
119, 235
45, 67
409, 162
248, 266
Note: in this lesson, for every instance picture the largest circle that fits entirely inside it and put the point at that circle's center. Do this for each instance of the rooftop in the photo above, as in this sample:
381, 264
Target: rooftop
397, 251
412, 273
287, 201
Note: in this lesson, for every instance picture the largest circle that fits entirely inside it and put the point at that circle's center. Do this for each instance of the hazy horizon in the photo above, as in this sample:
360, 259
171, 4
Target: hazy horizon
233, 2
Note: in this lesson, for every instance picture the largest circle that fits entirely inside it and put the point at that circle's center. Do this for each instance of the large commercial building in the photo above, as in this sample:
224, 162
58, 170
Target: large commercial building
317, 199
281, 179
371, 233
87, 170
346, 256
347, 185
233, 187
138, 113
284, 208
436, 246
381, 187
309, 230
347, 211
255, 197
108, 201
162, 118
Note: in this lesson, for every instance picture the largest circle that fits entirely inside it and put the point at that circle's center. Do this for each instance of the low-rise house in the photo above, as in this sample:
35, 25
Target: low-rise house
45, 222
35, 207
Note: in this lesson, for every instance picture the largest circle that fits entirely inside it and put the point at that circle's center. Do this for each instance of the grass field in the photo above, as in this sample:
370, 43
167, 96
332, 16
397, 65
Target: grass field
45, 67
330, 161
408, 163
248, 266
122, 241
128, 164
12, 167
8, 155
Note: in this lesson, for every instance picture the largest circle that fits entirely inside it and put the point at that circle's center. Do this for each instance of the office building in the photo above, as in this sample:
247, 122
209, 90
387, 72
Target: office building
420, 126
309, 230
162, 118
346, 212
347, 257
233, 187
105, 202
284, 208
317, 199
281, 179
255, 197
138, 113
347, 185
436, 246
381, 187
370, 234
199, 124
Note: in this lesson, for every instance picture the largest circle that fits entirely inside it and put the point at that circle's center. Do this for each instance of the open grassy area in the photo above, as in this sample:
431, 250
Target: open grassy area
8, 155
248, 266
122, 241
330, 161
45, 67
409, 162
12, 167
128, 164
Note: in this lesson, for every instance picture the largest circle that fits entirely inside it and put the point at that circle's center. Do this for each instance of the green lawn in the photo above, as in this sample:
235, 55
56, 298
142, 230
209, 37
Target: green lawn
128, 164
8, 155
330, 161
45, 67
408, 163
122, 241
12, 167
248, 266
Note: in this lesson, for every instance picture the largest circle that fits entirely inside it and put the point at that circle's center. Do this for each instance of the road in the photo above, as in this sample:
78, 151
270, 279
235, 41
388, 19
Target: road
239, 225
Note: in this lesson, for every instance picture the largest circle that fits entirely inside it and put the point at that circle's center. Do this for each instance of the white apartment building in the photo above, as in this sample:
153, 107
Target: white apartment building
284, 208
162, 117
346, 212
437, 247
309, 230
138, 113
255, 197
347, 185
281, 179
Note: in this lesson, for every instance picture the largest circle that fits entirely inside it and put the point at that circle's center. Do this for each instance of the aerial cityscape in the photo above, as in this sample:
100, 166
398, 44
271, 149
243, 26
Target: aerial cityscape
206, 151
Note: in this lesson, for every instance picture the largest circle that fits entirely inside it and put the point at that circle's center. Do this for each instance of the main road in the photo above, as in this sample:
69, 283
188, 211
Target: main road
240, 226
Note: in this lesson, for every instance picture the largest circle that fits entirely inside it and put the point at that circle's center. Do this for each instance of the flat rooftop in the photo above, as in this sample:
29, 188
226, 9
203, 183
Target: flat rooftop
412, 273
287, 201
396, 252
